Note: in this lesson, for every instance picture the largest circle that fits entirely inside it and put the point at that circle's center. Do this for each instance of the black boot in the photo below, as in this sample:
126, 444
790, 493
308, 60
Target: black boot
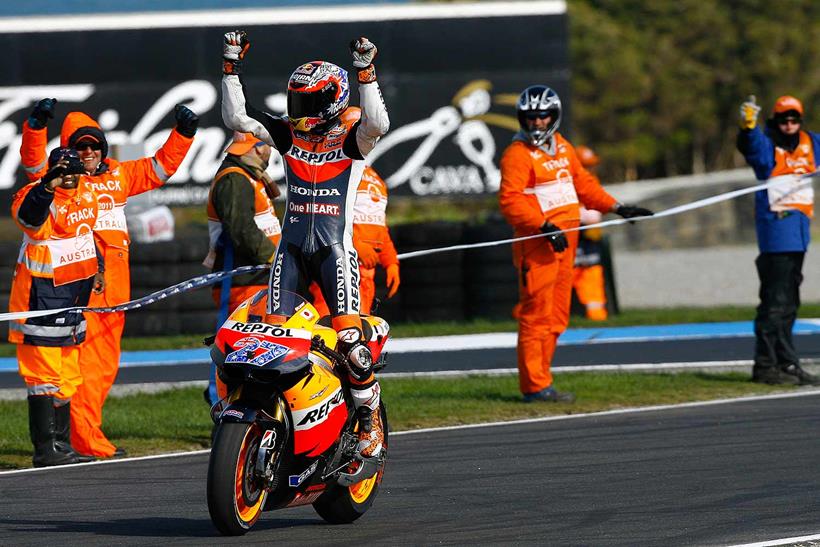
773, 376
62, 429
43, 435
801, 377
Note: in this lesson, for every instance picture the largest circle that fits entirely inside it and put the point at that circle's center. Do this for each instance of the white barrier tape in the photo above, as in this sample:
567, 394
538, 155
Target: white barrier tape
212, 278
805, 179
195, 283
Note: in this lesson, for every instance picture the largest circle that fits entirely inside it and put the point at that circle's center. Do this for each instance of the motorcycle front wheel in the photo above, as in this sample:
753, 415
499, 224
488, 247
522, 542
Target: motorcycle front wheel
343, 505
236, 495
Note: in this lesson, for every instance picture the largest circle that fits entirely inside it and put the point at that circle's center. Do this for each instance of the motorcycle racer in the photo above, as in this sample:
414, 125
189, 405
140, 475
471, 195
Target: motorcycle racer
324, 160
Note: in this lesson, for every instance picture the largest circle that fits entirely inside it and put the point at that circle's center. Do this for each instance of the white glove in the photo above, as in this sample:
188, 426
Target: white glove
748, 113
363, 52
234, 48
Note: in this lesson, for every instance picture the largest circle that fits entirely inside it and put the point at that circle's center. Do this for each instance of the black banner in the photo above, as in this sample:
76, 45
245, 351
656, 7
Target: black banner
449, 84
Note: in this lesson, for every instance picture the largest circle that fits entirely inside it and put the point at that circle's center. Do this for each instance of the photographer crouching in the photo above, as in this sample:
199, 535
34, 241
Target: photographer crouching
58, 267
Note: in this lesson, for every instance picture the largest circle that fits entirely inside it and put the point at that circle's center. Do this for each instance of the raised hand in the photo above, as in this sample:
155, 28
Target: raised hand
234, 48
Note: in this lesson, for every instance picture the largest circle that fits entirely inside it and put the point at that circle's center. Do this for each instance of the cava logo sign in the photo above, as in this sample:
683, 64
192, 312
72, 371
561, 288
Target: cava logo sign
466, 122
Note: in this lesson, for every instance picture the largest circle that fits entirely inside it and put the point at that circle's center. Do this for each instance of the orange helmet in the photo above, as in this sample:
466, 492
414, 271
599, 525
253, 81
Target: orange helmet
787, 103
587, 156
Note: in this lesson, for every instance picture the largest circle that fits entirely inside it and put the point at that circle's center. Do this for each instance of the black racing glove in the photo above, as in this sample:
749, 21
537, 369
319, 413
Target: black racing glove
632, 211
558, 240
42, 112
187, 120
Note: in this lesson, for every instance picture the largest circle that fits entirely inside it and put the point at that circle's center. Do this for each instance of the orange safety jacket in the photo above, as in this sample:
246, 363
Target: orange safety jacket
55, 267
113, 183
541, 184
370, 217
264, 216
797, 162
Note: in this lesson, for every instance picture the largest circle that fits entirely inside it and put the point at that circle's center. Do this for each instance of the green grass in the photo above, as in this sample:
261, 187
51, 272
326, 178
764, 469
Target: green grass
178, 420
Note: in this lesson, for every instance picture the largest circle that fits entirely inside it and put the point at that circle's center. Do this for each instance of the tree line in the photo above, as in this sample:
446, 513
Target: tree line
656, 86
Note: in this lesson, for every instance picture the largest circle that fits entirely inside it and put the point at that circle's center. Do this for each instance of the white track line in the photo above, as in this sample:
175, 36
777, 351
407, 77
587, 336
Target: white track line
683, 365
783, 541
802, 393
106, 462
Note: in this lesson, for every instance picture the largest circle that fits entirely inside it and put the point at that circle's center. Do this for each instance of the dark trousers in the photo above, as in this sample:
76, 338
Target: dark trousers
780, 277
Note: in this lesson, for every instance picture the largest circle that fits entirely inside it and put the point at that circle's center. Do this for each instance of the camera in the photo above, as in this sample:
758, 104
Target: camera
75, 164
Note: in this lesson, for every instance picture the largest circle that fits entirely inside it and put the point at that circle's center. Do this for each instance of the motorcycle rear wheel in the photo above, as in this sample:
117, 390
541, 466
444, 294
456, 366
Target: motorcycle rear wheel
343, 505
235, 495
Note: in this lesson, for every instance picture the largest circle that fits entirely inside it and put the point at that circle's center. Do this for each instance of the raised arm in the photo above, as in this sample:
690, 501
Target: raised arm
375, 121
237, 114
33, 154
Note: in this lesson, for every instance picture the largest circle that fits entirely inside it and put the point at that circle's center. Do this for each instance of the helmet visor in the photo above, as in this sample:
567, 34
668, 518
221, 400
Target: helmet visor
311, 105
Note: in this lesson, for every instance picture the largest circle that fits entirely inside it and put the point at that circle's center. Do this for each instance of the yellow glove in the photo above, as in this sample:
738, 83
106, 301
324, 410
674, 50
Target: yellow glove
393, 280
748, 113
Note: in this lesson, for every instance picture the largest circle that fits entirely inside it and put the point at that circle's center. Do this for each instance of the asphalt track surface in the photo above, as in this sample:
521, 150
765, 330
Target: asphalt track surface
660, 351
720, 474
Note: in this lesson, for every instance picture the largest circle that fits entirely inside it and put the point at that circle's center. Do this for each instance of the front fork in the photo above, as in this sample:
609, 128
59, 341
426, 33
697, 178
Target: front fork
274, 437
274, 427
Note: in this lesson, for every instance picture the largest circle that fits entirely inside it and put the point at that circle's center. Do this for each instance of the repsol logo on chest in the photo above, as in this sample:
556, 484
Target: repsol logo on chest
260, 328
317, 158
315, 192
321, 412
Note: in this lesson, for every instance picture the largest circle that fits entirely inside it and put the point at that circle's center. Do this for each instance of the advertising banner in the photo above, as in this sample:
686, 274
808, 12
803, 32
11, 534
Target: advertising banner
449, 73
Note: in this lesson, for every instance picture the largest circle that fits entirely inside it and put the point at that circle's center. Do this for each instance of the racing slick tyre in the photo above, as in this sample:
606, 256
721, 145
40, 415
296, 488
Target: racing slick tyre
236, 495
343, 505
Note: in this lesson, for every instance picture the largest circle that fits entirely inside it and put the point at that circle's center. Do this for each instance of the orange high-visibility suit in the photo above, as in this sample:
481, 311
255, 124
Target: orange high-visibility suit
588, 277
541, 184
55, 269
113, 183
370, 234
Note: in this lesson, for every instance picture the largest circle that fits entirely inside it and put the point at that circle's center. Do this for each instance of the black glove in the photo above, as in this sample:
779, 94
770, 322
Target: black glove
186, 120
632, 211
557, 240
42, 112
54, 172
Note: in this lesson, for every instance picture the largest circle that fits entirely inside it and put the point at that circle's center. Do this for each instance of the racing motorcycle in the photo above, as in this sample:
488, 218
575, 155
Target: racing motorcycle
287, 432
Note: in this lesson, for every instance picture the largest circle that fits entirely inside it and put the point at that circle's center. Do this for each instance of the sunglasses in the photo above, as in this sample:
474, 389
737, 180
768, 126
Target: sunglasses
786, 121
92, 145
538, 115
